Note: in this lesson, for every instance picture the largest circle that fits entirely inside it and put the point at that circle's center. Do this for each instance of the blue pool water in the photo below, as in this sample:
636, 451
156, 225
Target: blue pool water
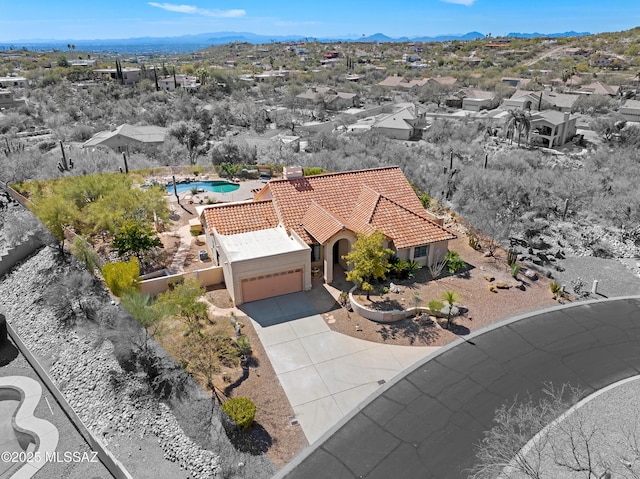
215, 186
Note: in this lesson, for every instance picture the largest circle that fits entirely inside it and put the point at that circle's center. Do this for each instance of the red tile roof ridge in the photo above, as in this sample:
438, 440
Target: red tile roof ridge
334, 173
425, 217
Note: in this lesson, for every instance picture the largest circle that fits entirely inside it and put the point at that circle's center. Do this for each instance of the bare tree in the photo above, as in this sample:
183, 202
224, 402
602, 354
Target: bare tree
516, 423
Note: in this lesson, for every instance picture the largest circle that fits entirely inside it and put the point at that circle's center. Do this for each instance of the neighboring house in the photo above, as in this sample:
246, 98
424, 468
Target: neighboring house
630, 110
170, 83
13, 81
599, 88
296, 225
404, 124
552, 128
130, 76
516, 82
89, 62
330, 98
540, 100
7, 100
400, 82
128, 136
476, 100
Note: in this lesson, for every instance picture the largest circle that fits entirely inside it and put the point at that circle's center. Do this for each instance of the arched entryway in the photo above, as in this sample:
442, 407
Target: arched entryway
335, 249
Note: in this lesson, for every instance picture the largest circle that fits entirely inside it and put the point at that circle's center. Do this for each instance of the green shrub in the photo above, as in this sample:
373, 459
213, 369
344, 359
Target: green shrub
242, 411
312, 171
244, 345
435, 305
195, 231
556, 289
384, 290
454, 262
515, 269
121, 276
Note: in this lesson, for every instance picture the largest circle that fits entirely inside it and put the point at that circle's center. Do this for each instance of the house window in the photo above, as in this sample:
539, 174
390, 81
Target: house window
420, 251
315, 252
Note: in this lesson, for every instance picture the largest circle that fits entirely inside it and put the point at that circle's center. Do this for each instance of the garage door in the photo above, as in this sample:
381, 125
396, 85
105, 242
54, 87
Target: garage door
272, 284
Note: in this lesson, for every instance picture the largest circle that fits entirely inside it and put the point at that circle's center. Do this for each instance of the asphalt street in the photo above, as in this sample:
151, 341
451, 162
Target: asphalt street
427, 423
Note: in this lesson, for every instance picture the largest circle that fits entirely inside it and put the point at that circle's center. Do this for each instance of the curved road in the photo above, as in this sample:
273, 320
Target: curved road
426, 423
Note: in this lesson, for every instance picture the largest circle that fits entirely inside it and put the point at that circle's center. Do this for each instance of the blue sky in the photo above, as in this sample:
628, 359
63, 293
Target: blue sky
86, 19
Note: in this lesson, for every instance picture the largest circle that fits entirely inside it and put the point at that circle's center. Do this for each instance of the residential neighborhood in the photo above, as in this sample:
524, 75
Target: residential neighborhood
222, 263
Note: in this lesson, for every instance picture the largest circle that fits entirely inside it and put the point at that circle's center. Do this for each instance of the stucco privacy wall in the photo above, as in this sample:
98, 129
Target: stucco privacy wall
207, 277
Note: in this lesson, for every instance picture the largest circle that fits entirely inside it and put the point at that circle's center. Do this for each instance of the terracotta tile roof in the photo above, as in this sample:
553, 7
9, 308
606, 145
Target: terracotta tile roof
360, 200
233, 218
320, 224
405, 227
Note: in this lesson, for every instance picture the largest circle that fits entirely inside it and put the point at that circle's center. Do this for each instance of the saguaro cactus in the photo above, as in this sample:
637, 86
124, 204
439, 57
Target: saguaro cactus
63, 164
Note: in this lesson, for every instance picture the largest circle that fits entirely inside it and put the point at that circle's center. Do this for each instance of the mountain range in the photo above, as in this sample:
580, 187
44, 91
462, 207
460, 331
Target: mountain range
186, 43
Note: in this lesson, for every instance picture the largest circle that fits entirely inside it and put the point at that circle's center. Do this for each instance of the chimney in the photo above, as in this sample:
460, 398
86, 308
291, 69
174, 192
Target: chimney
290, 172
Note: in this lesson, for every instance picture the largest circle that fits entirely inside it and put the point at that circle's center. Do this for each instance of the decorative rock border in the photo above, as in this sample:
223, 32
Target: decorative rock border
386, 316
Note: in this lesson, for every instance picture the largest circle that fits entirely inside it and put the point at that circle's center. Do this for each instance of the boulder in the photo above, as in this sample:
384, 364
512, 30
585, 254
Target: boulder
502, 285
488, 277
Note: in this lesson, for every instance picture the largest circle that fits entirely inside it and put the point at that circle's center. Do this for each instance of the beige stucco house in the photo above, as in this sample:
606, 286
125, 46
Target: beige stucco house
552, 128
130, 76
298, 227
127, 136
405, 124
630, 110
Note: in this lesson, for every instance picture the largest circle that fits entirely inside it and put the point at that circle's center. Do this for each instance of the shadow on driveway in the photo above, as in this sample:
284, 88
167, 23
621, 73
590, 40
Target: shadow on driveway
279, 309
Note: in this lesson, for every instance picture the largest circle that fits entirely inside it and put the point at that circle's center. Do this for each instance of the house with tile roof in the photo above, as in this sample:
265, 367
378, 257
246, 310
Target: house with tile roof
630, 110
299, 226
128, 136
405, 124
552, 128
330, 98
400, 82
540, 100
599, 88
474, 99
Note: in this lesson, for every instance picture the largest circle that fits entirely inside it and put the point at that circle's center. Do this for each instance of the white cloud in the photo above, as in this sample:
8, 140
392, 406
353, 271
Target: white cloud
468, 3
192, 10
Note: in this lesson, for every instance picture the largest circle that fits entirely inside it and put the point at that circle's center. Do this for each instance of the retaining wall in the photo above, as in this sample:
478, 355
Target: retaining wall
18, 253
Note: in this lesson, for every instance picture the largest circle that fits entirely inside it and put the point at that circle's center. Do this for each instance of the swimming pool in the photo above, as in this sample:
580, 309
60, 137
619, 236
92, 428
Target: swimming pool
215, 186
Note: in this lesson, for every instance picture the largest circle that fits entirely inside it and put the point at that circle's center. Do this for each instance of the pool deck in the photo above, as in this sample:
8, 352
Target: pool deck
246, 191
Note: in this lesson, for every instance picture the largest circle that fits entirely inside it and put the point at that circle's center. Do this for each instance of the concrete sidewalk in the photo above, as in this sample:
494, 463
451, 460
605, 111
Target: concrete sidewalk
324, 374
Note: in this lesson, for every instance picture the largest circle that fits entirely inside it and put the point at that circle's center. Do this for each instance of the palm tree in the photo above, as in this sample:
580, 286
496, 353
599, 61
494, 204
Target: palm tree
203, 75
520, 121
450, 297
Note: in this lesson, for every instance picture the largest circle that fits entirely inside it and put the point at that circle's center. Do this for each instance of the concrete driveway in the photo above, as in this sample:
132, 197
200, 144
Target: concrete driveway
426, 425
325, 374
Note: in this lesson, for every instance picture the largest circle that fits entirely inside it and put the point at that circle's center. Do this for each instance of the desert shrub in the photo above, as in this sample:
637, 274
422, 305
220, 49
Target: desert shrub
435, 305
473, 241
454, 262
121, 276
313, 171
85, 253
242, 411
244, 345
556, 289
403, 268
515, 269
